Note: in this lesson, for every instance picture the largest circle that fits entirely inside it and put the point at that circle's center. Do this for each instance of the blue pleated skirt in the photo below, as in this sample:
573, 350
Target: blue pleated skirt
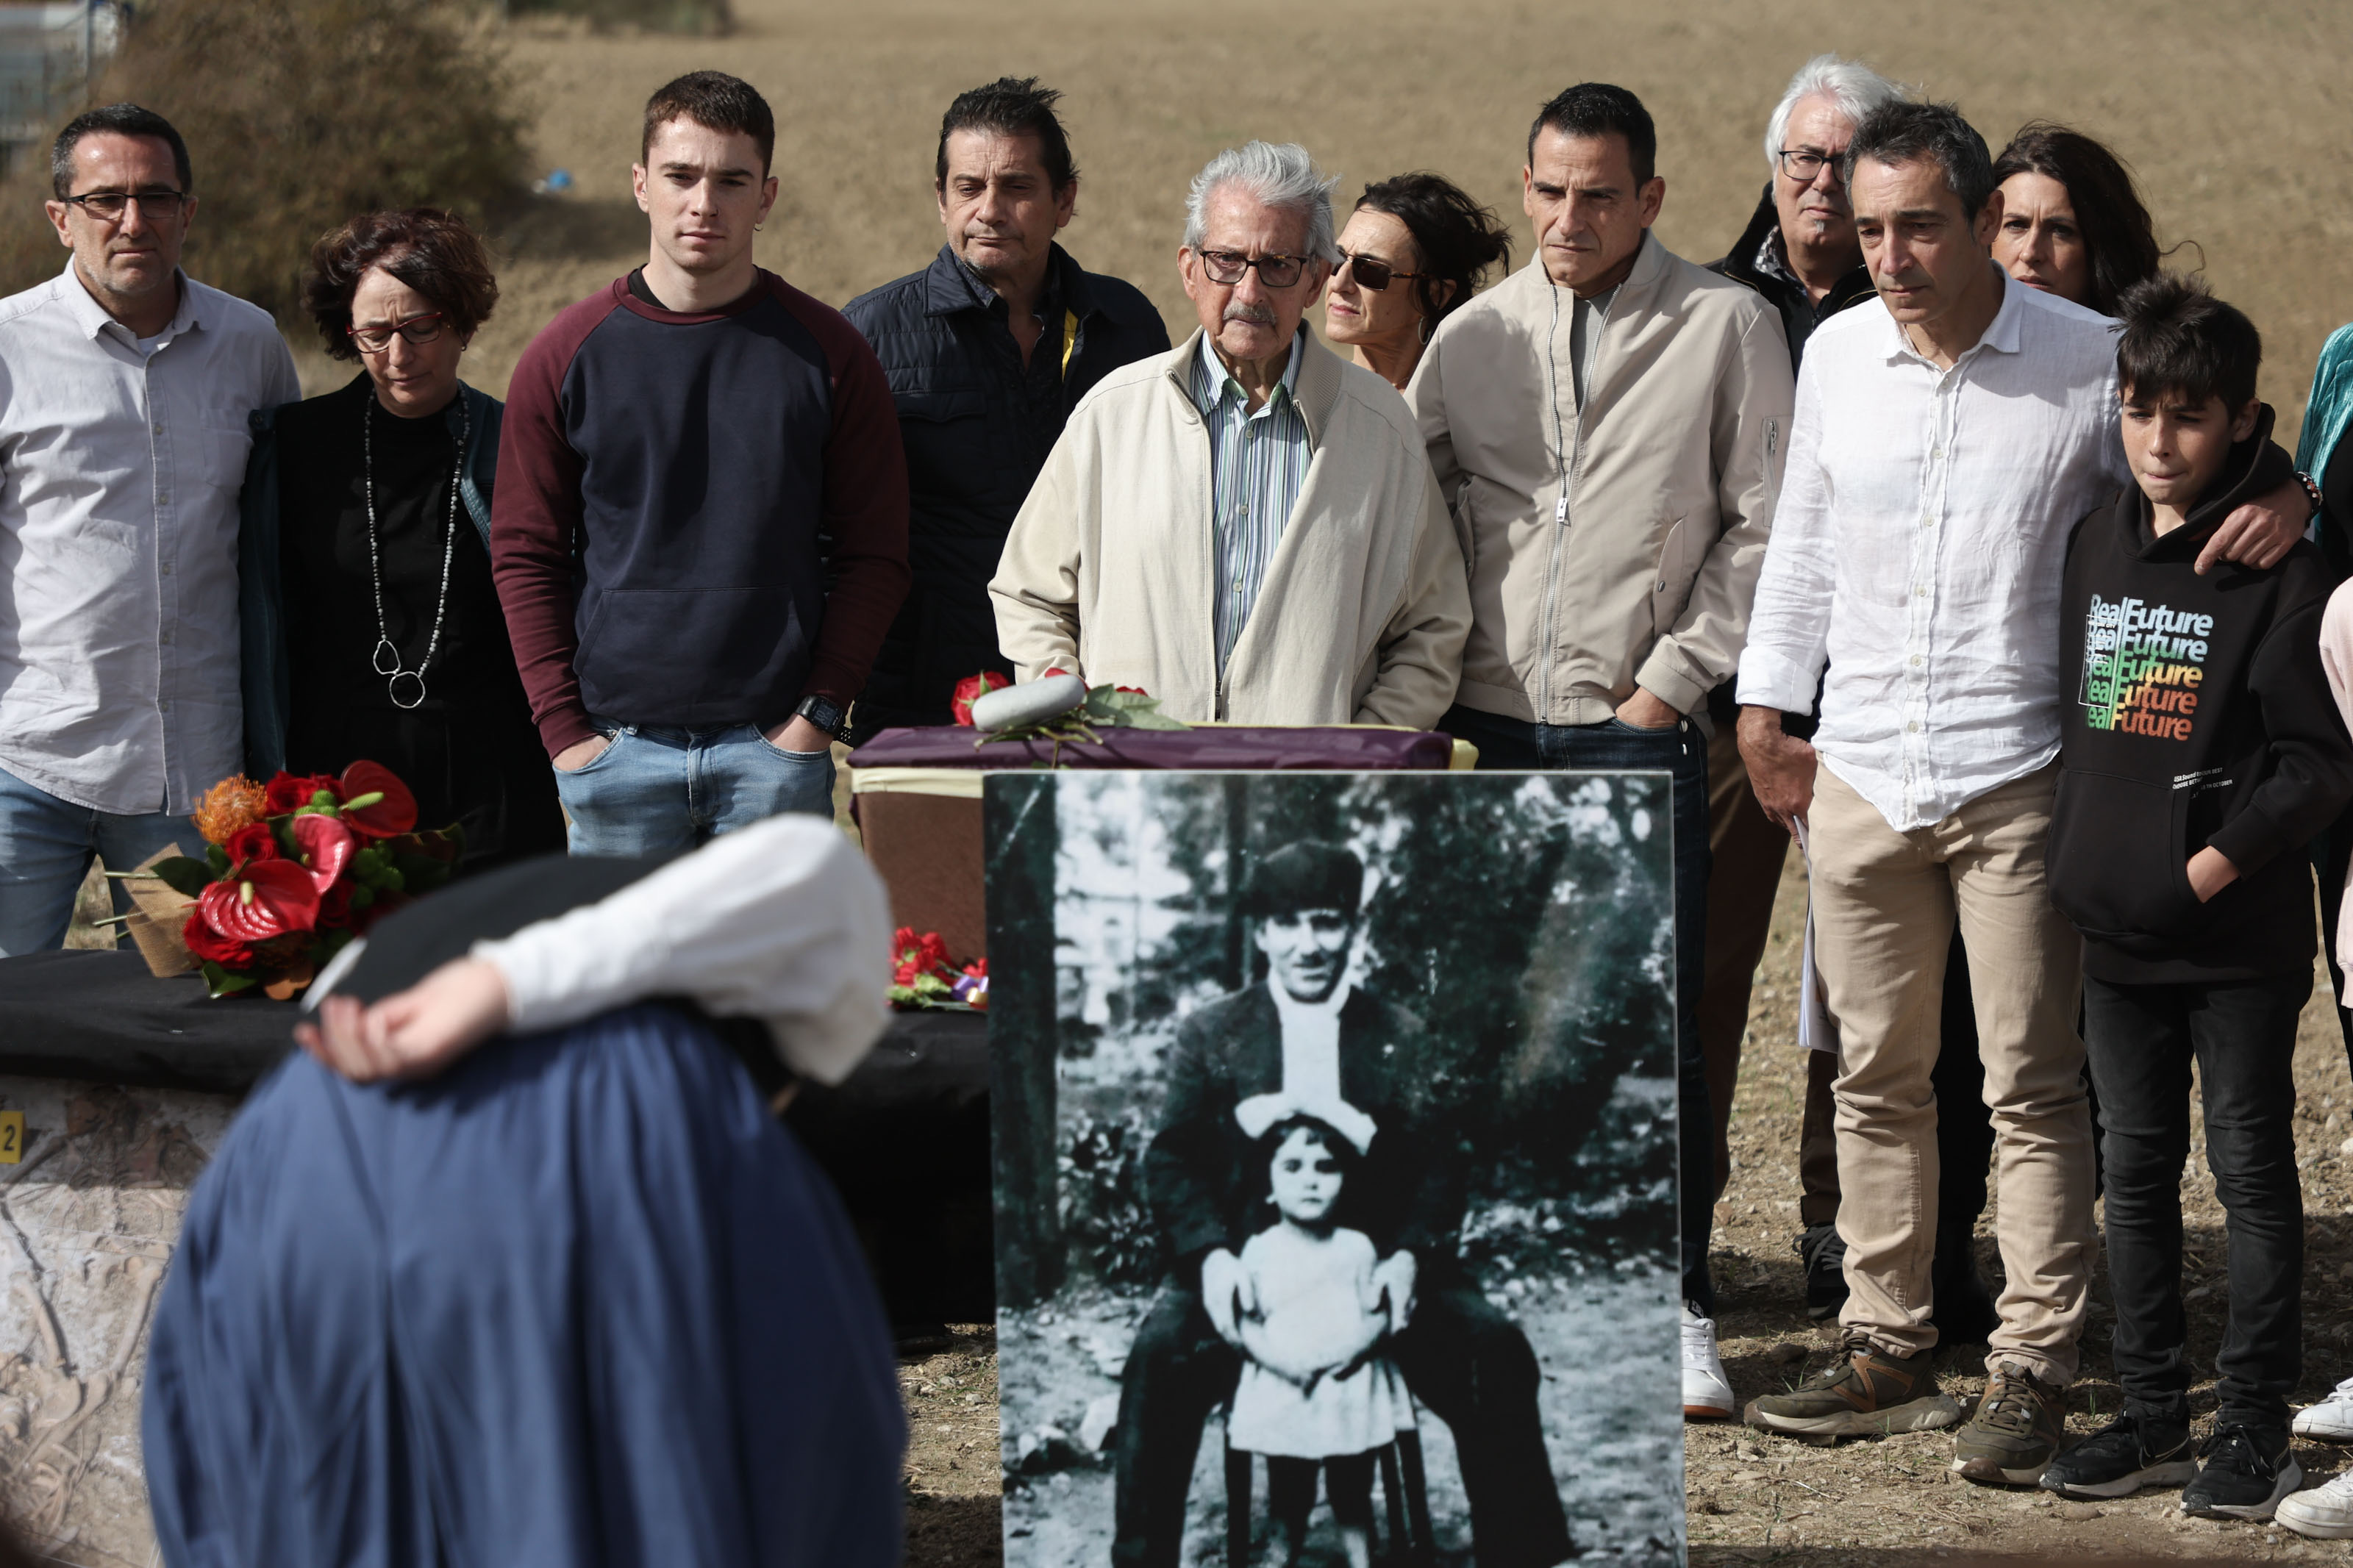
579, 1301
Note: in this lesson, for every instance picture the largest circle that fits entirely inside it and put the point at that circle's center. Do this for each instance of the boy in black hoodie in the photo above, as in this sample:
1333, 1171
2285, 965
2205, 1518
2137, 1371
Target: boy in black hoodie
2200, 752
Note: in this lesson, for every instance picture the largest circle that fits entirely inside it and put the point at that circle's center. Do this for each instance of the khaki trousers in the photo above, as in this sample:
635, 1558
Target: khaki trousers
1884, 905
1746, 852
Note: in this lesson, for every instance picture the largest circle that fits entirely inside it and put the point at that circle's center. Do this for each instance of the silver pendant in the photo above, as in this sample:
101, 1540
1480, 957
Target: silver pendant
387, 658
393, 686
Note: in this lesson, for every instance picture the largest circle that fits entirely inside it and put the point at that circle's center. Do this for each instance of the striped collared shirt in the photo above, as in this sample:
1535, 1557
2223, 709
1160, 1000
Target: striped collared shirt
1257, 463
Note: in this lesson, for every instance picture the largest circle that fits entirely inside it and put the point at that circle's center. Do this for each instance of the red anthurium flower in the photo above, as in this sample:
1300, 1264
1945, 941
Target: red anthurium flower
209, 946
970, 687
292, 792
326, 846
395, 813
252, 842
282, 898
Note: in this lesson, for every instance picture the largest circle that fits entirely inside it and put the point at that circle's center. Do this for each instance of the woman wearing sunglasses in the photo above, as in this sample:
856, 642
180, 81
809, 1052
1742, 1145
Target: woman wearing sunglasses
371, 627
1414, 250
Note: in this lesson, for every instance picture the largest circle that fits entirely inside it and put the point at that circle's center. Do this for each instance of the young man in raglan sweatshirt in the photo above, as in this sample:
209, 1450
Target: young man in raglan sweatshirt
700, 529
2202, 751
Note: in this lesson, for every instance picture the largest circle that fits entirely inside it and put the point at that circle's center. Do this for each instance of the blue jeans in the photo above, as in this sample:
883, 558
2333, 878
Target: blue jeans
659, 790
46, 848
1682, 752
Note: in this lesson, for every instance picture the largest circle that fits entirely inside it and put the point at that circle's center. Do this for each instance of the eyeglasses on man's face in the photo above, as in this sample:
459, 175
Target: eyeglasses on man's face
1804, 164
108, 207
1227, 267
415, 330
1372, 274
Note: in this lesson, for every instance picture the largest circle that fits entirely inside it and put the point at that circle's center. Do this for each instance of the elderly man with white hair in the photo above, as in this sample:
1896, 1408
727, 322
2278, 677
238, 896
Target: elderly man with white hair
1245, 527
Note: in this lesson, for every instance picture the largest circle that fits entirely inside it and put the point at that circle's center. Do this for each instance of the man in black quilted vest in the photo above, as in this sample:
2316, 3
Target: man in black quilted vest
987, 350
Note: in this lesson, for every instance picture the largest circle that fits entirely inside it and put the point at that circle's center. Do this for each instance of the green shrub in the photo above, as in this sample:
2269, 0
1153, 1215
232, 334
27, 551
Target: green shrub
298, 115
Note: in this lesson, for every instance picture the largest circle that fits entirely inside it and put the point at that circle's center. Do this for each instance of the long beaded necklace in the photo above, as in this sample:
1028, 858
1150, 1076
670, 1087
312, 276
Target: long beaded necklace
387, 658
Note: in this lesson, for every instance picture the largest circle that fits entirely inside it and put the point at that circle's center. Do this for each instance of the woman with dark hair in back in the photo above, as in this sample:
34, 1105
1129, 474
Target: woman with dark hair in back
1416, 228
2072, 221
371, 627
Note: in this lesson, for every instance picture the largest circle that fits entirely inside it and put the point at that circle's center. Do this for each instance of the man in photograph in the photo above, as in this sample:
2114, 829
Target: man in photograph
1310, 1034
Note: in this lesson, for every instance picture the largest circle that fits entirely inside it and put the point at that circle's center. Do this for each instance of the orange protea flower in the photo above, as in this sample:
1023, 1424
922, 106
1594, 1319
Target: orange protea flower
236, 802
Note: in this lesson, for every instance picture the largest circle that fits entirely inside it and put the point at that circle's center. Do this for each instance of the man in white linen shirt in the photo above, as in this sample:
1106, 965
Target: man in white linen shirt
1940, 454
126, 387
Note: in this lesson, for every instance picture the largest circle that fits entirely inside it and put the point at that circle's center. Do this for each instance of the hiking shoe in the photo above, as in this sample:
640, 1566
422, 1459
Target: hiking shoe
1866, 1392
2247, 1471
2123, 1456
2014, 1434
1708, 1397
2325, 1513
2331, 1420
1822, 1252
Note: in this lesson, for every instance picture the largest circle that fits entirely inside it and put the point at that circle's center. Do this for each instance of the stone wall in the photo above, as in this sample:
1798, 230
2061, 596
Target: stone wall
87, 1225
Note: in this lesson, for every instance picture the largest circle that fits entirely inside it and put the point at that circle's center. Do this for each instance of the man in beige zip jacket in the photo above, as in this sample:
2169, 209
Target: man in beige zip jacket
1245, 527
1606, 424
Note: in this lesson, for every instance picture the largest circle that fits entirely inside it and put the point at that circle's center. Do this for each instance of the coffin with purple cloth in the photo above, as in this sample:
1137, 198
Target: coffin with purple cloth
916, 794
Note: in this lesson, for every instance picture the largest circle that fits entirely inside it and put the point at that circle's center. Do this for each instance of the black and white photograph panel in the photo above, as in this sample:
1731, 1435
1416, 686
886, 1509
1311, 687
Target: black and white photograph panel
1334, 1169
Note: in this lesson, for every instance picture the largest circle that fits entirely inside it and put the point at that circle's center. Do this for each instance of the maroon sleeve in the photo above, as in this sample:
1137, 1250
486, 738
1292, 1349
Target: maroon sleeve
865, 518
536, 513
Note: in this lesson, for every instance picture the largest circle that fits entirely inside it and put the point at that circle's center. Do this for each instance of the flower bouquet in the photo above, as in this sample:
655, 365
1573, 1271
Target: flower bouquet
923, 976
293, 869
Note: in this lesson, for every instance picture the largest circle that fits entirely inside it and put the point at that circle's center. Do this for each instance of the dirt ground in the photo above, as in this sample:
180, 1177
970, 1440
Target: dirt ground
1755, 1497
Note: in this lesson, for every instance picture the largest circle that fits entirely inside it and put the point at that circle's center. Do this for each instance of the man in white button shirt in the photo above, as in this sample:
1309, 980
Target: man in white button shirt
1940, 454
125, 387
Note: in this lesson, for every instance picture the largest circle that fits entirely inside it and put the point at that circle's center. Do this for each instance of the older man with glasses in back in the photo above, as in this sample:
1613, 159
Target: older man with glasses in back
124, 390
1296, 566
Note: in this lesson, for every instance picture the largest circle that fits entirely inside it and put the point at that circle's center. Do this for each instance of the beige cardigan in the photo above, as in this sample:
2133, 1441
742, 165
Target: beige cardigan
1109, 570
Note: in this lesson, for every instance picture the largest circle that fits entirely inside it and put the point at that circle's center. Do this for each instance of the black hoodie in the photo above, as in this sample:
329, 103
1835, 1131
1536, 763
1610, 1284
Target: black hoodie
2197, 714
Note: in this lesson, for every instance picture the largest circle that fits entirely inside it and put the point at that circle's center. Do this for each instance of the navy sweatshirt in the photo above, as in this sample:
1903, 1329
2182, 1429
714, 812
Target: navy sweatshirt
2197, 715
698, 519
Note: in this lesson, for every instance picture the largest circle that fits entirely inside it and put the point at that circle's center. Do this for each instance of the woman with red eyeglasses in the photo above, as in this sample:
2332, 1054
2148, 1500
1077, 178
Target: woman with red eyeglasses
371, 627
1414, 250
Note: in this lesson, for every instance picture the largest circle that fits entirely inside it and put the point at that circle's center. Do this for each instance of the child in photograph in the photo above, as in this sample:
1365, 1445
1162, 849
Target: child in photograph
1315, 1390
2200, 752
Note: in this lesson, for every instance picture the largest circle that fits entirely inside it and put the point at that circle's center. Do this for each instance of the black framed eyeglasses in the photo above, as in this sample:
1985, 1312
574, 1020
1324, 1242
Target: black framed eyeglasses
1804, 164
1275, 271
415, 330
108, 207
1372, 273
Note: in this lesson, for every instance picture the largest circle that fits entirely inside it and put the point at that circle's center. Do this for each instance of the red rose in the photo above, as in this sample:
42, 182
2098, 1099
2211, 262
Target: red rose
334, 906
970, 687
207, 945
251, 843
292, 792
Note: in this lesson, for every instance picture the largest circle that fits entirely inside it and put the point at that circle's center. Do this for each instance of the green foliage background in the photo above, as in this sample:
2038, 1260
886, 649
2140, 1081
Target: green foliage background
299, 114
1526, 919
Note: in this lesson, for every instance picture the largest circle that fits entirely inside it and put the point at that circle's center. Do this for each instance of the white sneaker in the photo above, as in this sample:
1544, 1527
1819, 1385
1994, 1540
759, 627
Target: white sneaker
2331, 1420
1708, 1395
2325, 1512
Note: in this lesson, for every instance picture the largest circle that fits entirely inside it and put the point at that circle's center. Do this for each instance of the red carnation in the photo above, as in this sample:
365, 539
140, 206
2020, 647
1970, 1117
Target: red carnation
970, 687
207, 945
252, 842
1138, 691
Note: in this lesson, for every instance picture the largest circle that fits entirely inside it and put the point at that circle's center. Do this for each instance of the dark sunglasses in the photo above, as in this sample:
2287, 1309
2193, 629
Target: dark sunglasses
1372, 273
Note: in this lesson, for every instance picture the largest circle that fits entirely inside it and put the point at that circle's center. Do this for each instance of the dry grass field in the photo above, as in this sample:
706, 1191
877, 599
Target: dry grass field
2238, 117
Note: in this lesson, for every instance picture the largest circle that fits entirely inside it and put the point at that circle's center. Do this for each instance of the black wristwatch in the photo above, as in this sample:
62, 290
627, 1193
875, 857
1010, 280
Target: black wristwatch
825, 713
